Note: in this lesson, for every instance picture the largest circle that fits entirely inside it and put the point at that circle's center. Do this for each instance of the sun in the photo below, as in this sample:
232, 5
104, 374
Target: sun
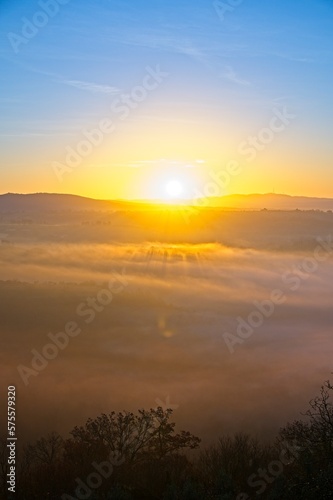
174, 188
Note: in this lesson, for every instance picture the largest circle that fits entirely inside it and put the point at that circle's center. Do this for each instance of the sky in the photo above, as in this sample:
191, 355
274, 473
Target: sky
113, 100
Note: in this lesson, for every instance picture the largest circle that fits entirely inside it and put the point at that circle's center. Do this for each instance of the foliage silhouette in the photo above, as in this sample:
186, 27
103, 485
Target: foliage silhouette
142, 457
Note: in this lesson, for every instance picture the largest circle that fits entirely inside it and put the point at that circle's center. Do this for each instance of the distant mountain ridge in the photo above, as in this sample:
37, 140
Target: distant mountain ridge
272, 201
54, 202
36, 202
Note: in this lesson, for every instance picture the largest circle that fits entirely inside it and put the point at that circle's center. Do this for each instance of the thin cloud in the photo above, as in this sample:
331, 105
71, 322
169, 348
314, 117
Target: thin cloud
160, 40
95, 88
230, 75
163, 162
295, 58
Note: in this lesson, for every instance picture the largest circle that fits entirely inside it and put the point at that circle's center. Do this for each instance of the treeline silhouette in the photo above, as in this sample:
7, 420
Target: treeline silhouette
126, 456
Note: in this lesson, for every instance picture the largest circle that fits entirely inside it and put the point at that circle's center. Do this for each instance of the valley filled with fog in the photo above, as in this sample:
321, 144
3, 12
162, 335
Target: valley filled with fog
154, 295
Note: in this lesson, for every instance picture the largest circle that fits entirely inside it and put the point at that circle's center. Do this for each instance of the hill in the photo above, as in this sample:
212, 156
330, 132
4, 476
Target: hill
46, 202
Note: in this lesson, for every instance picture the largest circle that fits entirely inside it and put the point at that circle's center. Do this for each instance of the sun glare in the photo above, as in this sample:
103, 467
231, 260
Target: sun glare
174, 189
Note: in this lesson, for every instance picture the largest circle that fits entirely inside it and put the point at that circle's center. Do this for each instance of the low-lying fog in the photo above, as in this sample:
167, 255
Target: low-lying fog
151, 322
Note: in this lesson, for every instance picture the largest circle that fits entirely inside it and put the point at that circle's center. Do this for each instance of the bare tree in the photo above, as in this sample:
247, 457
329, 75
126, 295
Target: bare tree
226, 465
311, 474
315, 434
149, 434
46, 450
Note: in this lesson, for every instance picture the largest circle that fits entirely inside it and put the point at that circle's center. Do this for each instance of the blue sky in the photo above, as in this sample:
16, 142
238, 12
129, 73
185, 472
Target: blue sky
225, 76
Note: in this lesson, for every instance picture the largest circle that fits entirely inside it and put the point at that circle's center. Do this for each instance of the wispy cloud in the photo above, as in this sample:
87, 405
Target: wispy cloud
230, 75
163, 39
164, 162
95, 88
295, 58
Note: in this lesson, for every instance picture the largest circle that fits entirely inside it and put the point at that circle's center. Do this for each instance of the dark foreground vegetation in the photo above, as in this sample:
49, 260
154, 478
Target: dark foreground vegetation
123, 456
